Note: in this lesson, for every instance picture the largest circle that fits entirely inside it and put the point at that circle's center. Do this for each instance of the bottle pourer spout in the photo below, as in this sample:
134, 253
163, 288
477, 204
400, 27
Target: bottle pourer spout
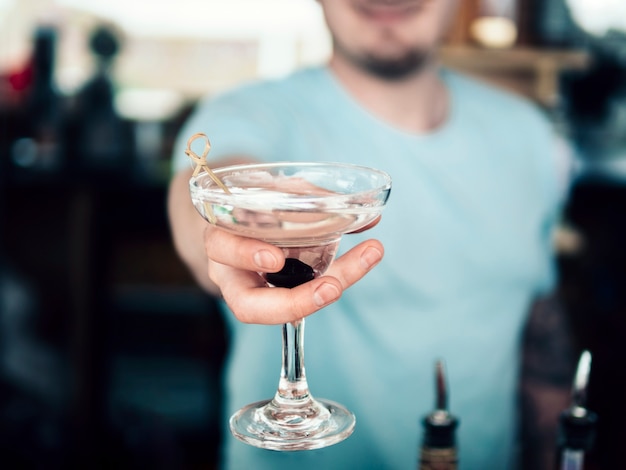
580, 385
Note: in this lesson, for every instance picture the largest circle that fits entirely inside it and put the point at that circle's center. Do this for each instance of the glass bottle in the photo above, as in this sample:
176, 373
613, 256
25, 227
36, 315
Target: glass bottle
438, 450
38, 141
577, 424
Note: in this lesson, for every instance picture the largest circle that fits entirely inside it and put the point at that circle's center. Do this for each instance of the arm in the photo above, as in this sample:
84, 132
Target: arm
227, 265
548, 367
187, 228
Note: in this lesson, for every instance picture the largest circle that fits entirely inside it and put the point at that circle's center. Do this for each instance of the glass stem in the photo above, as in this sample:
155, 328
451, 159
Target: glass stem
293, 385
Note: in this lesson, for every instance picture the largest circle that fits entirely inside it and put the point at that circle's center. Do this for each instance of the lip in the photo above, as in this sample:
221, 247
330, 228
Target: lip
388, 10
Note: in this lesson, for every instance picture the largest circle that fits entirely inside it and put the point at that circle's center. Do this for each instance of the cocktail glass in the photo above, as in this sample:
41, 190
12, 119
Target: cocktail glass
303, 208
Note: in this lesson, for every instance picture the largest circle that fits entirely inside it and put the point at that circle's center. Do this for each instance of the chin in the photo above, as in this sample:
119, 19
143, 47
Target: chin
396, 68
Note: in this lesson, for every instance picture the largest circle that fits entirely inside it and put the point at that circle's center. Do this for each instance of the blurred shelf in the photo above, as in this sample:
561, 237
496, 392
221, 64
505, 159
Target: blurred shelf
531, 72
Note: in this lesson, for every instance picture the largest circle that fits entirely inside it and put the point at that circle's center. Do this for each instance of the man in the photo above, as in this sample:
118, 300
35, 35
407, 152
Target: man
466, 238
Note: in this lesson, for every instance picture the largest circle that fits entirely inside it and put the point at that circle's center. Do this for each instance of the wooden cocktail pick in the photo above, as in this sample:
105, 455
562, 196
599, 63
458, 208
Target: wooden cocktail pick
201, 164
200, 161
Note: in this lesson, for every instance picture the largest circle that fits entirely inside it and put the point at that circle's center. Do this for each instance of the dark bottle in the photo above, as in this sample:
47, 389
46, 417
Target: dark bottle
577, 424
438, 451
99, 140
38, 141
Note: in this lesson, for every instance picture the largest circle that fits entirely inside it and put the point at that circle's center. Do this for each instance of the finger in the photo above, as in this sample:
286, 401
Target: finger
242, 252
252, 302
356, 263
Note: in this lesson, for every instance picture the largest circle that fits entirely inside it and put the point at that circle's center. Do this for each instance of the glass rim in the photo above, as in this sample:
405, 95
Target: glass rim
220, 196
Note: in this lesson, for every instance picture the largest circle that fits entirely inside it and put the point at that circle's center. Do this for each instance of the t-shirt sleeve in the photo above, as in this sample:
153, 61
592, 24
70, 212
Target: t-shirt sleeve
245, 122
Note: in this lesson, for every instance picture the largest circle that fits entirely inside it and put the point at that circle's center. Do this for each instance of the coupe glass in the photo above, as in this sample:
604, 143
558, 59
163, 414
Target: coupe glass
303, 208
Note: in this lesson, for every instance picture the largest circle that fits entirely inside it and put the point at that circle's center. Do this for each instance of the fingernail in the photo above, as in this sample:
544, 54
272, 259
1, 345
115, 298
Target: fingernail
325, 294
265, 260
370, 257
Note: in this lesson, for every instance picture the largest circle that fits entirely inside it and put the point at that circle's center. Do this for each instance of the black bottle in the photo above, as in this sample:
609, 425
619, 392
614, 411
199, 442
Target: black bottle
439, 450
577, 424
39, 138
99, 141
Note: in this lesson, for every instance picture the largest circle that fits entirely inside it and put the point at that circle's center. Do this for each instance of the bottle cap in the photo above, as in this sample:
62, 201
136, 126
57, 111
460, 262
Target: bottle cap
440, 425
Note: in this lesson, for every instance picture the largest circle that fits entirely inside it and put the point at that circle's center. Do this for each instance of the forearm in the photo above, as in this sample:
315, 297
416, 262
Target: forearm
187, 225
547, 372
187, 228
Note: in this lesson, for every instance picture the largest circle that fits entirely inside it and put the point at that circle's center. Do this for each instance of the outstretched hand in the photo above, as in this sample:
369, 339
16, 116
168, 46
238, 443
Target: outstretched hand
234, 266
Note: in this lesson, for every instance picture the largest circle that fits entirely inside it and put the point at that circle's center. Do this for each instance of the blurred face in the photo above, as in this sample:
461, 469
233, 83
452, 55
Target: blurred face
388, 38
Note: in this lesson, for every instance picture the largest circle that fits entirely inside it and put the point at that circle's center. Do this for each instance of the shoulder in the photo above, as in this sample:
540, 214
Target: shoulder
253, 118
270, 91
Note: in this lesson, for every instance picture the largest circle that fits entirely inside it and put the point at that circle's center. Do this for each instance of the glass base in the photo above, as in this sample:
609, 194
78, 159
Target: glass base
292, 425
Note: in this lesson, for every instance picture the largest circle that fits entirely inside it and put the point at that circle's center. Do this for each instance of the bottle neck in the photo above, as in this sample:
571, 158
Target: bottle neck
577, 433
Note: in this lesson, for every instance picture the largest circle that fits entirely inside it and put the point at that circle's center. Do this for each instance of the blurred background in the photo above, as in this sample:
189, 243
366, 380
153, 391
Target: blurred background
109, 353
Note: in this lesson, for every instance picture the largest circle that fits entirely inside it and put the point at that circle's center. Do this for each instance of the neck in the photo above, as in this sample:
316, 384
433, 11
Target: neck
417, 104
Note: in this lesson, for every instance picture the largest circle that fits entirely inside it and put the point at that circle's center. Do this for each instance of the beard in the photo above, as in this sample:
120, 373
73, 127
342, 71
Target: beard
396, 68
393, 69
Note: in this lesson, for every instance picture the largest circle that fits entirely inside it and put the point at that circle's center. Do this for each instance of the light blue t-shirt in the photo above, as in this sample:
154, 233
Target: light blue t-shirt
467, 236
